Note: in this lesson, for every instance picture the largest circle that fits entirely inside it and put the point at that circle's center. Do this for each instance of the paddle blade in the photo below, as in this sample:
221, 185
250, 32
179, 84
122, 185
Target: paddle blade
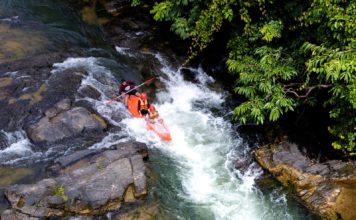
108, 102
149, 81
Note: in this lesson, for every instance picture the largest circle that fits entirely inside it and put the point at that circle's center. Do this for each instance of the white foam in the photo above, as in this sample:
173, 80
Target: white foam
202, 143
19, 147
124, 51
105, 86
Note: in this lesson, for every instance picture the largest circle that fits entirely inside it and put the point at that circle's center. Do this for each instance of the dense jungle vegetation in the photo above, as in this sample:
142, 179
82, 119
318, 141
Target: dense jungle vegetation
285, 54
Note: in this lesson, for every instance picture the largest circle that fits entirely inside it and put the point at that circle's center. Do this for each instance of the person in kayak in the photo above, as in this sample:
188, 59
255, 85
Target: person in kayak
152, 113
126, 86
143, 104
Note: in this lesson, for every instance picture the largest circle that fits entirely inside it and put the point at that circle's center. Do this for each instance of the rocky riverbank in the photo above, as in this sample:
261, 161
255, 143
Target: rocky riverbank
52, 111
89, 182
327, 188
49, 107
56, 111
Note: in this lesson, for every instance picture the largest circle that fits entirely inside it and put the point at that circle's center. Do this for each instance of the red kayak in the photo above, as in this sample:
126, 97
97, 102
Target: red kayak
157, 126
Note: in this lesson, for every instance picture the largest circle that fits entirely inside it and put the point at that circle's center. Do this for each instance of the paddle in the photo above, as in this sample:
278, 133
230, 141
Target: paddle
136, 87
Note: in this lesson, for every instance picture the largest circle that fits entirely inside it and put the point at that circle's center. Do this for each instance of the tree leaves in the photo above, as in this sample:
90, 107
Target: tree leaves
282, 55
261, 77
181, 28
271, 30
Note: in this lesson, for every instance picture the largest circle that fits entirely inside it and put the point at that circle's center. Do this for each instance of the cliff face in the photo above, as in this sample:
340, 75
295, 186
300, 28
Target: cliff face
328, 189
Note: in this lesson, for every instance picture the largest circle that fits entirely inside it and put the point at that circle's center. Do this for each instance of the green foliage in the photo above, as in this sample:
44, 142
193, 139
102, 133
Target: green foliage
60, 191
161, 10
210, 21
284, 54
197, 20
272, 30
337, 68
135, 2
333, 62
181, 28
261, 78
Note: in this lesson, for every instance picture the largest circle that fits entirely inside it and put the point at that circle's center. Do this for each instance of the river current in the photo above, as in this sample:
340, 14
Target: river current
194, 174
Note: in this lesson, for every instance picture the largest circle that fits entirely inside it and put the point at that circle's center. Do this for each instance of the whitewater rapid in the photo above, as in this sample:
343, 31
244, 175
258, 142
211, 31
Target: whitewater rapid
203, 149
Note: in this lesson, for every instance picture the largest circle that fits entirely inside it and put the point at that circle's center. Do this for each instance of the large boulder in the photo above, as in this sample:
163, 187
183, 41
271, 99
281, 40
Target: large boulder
328, 188
28, 88
89, 183
61, 122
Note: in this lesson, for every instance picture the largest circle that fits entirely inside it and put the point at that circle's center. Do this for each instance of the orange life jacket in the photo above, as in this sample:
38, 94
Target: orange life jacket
143, 105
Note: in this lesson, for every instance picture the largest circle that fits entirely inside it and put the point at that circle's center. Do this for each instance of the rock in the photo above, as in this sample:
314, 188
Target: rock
144, 212
13, 215
10, 175
135, 31
3, 141
63, 105
55, 201
95, 184
67, 160
65, 124
328, 189
130, 195
129, 148
28, 89
138, 171
89, 91
114, 7
63, 85
243, 164
51, 112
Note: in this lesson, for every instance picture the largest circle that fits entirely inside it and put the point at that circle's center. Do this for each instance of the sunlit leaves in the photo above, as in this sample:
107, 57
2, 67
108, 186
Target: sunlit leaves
161, 10
135, 2
337, 66
260, 79
271, 30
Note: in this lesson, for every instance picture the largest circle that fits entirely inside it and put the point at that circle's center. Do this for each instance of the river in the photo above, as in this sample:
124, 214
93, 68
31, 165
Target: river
194, 175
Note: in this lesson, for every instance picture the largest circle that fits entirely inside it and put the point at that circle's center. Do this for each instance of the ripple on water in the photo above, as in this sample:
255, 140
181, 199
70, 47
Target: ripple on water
18, 43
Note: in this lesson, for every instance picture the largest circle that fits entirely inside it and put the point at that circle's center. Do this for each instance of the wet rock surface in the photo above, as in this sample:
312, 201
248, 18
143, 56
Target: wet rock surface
65, 124
115, 7
134, 31
144, 212
28, 89
43, 102
328, 188
88, 182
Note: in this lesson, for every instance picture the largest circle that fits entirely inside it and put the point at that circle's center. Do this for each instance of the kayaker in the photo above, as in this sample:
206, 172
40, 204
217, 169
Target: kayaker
126, 86
152, 113
143, 104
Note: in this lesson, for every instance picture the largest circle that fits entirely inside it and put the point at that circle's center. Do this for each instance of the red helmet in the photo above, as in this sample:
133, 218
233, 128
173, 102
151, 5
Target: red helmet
152, 107
143, 96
